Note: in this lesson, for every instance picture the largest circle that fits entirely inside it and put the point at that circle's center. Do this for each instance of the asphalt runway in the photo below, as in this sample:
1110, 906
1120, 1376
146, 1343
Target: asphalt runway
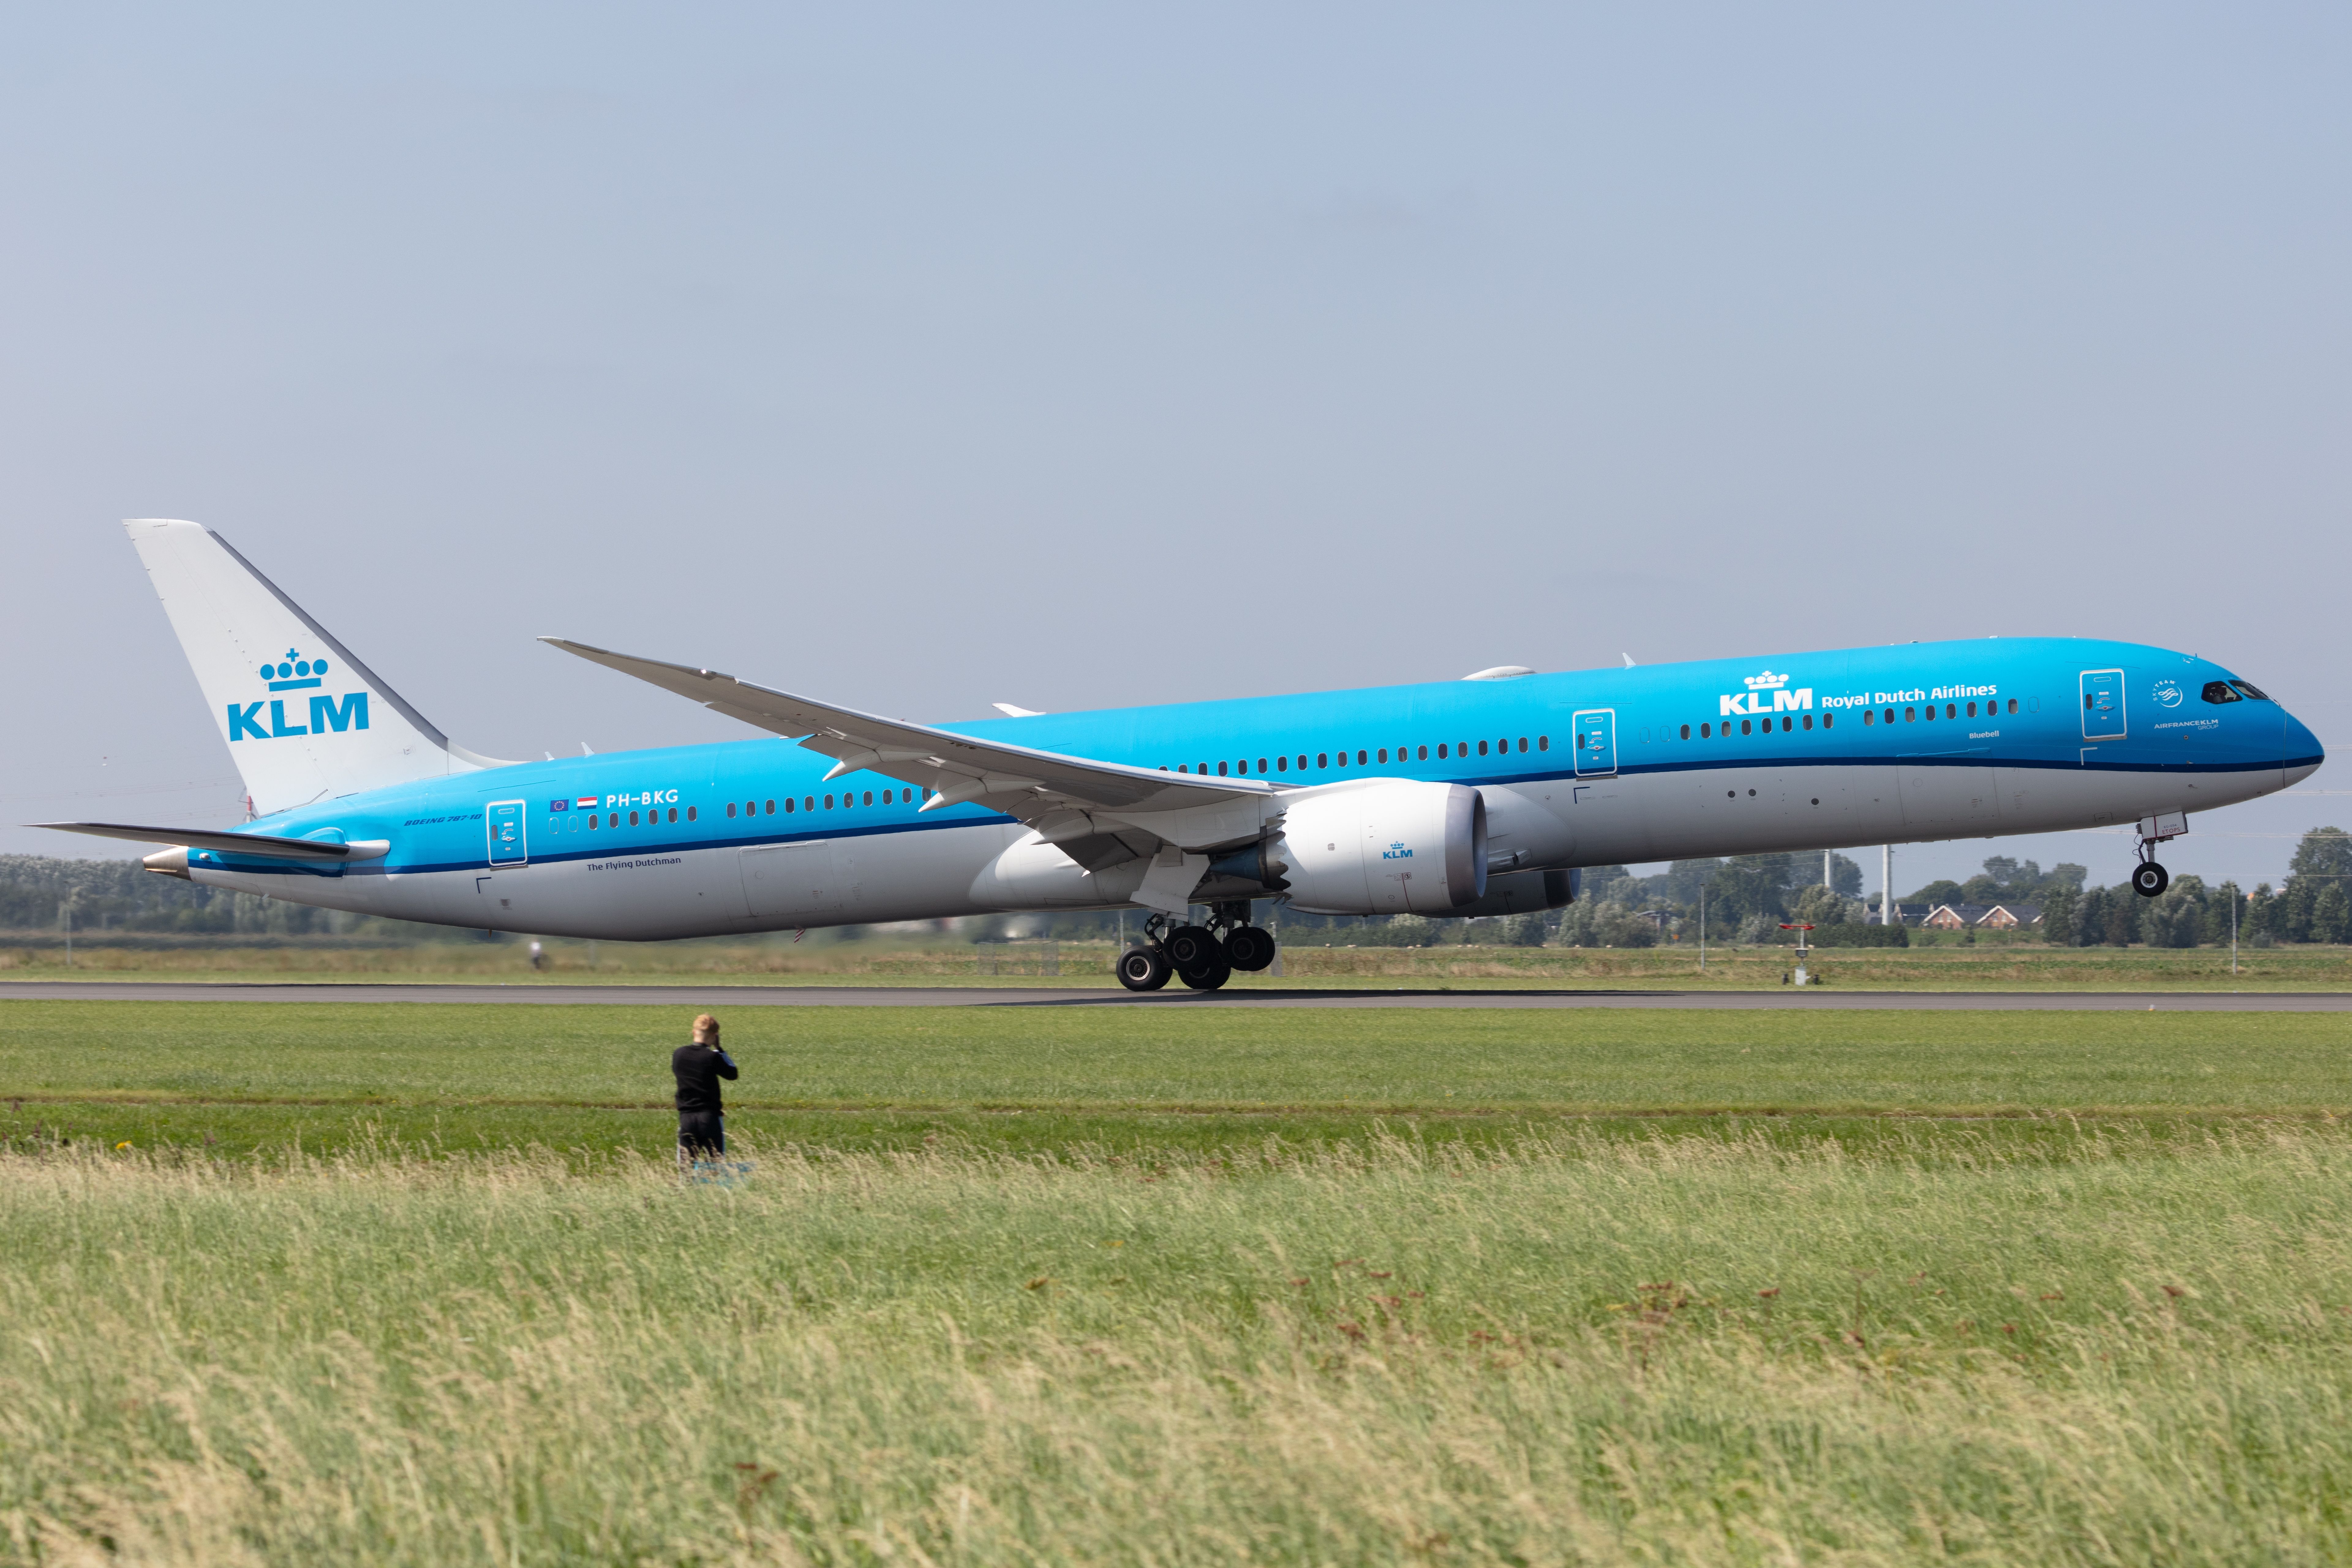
699, 997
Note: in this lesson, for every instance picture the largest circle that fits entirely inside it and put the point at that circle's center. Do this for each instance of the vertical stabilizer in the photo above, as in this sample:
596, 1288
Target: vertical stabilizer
304, 719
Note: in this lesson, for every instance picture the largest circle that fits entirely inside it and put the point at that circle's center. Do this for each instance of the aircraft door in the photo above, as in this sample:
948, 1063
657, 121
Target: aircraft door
1595, 730
2103, 705
503, 820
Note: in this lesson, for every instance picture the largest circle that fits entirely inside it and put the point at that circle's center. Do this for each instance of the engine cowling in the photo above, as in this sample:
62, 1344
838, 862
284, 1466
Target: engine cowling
1384, 847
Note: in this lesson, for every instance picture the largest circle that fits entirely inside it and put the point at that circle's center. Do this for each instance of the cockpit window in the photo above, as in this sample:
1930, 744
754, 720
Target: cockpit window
2219, 692
2251, 691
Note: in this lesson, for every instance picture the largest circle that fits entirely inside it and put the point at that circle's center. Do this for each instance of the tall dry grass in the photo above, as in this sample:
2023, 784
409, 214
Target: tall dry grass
1571, 1352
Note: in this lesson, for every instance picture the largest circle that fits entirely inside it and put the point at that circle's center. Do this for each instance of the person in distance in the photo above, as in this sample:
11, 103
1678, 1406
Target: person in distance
701, 1117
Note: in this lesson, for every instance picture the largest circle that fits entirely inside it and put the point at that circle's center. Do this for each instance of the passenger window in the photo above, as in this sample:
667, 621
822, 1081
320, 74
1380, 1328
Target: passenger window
1322, 759
1543, 742
1870, 715
788, 805
1685, 734
867, 799
1220, 770
1788, 725
592, 822
1809, 721
2221, 691
1204, 769
1523, 739
632, 819
2012, 704
1424, 754
1746, 726
1906, 716
692, 813
673, 813
808, 803
1972, 710
1261, 767
1951, 709
1384, 754
1705, 731
771, 808
1343, 758
1302, 761
1360, 759
1482, 748
1183, 767
1282, 764
1827, 718
731, 808
828, 803
1441, 750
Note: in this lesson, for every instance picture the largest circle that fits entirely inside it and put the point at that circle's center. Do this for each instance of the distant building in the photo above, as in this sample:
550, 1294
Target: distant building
1990, 917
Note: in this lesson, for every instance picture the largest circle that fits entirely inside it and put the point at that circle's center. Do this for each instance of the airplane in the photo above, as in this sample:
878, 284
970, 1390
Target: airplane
1478, 796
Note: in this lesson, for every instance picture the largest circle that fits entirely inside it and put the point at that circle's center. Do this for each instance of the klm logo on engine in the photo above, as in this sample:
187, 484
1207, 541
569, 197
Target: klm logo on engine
294, 673
1747, 703
1396, 851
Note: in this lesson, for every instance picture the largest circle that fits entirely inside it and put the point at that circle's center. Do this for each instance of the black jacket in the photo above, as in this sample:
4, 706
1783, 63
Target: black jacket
698, 1068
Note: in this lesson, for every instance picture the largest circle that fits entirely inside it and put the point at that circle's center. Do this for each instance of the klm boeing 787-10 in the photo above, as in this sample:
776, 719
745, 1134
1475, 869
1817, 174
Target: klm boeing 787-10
1462, 797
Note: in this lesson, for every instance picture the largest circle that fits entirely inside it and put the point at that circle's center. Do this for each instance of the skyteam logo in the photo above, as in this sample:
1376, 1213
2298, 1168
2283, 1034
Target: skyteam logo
2168, 693
1396, 851
297, 673
1744, 704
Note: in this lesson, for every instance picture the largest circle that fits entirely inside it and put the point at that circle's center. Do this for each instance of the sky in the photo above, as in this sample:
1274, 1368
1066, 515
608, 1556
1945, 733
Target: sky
922, 357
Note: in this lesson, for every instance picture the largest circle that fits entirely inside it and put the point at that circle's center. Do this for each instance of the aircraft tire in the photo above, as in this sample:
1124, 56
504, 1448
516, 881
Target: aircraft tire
1249, 948
1143, 969
1207, 976
2150, 879
1190, 947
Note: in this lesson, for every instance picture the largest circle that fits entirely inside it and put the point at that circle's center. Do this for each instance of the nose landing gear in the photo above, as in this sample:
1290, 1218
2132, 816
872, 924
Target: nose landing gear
2150, 879
1198, 955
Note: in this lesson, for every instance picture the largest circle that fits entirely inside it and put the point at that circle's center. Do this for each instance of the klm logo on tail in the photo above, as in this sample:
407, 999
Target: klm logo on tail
294, 673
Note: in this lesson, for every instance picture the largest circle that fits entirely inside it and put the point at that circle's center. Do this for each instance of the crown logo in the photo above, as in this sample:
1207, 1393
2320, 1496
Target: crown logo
293, 672
1768, 681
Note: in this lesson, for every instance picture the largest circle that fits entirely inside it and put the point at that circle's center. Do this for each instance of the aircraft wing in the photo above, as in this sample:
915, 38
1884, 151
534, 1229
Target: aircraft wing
1073, 800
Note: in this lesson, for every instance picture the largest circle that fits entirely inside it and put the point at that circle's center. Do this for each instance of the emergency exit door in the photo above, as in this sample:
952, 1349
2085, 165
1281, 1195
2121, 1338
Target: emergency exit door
2103, 705
1595, 733
503, 821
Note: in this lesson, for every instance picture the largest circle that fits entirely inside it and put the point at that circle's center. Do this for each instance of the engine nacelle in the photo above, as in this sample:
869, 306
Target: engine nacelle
1523, 893
1384, 847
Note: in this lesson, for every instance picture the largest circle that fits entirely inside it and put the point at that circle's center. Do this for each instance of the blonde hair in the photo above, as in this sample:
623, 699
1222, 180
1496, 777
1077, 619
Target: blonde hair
705, 1026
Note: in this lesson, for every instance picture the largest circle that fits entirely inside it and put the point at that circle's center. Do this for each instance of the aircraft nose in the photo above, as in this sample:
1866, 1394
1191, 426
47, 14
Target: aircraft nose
2302, 753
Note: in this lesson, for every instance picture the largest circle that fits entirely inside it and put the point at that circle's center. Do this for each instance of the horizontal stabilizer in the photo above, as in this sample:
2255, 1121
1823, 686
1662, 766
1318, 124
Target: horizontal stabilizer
261, 844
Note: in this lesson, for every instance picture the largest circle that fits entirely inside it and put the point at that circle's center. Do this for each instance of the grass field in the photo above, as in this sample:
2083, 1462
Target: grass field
1992, 964
1134, 1286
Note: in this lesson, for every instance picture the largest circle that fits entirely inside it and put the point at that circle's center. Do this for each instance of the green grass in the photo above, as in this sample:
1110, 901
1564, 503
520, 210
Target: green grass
1991, 964
1115, 1285
1573, 1349
248, 1076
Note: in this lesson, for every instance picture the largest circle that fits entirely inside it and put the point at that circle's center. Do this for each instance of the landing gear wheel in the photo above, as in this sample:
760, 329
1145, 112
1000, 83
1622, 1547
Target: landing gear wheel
1192, 947
1143, 969
1249, 948
2150, 879
1208, 977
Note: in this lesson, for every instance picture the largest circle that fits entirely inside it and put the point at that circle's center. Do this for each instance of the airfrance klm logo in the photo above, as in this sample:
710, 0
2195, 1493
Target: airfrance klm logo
1745, 704
295, 673
1396, 851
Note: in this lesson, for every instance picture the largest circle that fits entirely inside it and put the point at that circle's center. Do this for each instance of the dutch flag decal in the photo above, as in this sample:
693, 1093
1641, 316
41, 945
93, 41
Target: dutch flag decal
587, 803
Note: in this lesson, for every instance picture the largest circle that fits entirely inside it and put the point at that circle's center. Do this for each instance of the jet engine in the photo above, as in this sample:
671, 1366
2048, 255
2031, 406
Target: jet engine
1384, 847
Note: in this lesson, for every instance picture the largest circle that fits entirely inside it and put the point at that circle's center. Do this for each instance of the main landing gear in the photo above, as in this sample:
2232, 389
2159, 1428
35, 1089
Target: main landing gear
2150, 879
1204, 956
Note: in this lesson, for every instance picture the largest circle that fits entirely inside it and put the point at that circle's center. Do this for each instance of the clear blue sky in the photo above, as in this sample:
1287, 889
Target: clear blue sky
924, 357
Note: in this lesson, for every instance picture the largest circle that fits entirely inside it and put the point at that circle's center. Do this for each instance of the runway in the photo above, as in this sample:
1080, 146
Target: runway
699, 997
